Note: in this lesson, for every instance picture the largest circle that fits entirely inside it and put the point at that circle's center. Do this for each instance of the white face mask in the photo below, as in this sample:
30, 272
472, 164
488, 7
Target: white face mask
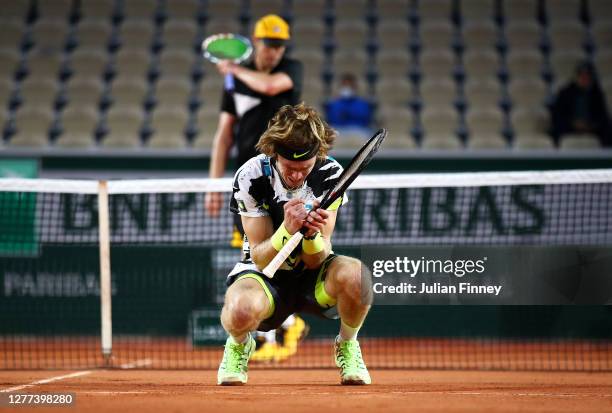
347, 92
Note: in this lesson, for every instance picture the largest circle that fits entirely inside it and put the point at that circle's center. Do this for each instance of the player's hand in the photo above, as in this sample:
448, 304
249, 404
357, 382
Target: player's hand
316, 220
295, 214
213, 202
226, 67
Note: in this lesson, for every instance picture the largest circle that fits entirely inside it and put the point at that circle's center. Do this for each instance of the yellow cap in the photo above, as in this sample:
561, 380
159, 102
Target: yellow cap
271, 26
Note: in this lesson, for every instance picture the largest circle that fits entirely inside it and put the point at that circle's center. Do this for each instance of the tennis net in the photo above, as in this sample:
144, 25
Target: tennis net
148, 294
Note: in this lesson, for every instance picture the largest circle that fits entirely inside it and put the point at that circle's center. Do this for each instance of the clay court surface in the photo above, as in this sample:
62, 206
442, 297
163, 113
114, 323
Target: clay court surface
99, 390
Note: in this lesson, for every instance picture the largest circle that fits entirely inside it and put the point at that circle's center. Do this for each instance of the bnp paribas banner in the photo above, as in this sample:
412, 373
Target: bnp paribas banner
502, 215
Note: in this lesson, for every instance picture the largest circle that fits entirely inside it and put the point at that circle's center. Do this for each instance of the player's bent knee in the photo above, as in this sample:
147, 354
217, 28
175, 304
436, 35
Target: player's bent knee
348, 276
241, 311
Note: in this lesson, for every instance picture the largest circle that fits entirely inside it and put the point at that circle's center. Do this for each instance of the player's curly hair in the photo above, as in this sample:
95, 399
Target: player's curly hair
298, 126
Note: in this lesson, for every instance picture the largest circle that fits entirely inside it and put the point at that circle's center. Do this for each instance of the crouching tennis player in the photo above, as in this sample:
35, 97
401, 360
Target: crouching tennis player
273, 193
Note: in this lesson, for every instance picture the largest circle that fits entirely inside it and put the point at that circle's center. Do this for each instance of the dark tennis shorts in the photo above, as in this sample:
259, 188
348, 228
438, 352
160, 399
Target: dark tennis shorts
292, 292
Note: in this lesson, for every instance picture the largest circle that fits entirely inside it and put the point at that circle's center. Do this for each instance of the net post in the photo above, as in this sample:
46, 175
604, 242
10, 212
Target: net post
105, 274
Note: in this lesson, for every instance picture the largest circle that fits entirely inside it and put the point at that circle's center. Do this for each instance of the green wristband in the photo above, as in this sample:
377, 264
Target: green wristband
280, 237
313, 245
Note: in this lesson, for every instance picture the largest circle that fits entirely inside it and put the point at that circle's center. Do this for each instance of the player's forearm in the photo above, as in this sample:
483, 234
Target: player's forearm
263, 253
260, 82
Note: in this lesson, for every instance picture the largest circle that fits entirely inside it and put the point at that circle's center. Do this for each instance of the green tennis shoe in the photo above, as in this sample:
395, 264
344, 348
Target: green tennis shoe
234, 367
353, 370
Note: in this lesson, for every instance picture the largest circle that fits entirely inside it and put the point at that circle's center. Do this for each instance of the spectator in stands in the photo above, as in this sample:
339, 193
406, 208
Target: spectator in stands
580, 108
262, 85
349, 113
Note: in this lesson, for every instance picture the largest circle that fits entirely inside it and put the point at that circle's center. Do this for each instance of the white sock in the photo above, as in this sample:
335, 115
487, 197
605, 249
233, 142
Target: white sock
289, 321
270, 336
347, 332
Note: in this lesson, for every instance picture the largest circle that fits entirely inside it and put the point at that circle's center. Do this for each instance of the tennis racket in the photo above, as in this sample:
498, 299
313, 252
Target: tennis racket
227, 46
357, 165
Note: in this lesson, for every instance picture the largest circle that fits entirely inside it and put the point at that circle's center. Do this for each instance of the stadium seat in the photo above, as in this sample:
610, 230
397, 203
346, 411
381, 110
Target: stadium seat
564, 65
480, 36
350, 141
525, 64
176, 63
259, 8
211, 90
96, 9
477, 10
392, 9
308, 9
480, 64
57, 9
139, 9
11, 34
168, 127
489, 141
128, 91
398, 139
567, 36
527, 94
207, 120
172, 92
136, 34
600, 9
579, 142
429, 10
566, 10
394, 34
602, 35
15, 9
10, 61
394, 91
437, 92
50, 36
84, 93
523, 36
78, 127
533, 142
436, 35
43, 64
352, 61
482, 93
180, 35
437, 65
88, 63
397, 119
123, 125
312, 60
38, 92
440, 128
6, 91
94, 34
312, 92
182, 9
307, 34
603, 62
350, 35
393, 64
32, 127
484, 124
517, 10
532, 123
131, 63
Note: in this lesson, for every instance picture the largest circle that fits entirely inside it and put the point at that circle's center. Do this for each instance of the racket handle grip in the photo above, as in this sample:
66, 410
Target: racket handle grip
229, 82
283, 254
